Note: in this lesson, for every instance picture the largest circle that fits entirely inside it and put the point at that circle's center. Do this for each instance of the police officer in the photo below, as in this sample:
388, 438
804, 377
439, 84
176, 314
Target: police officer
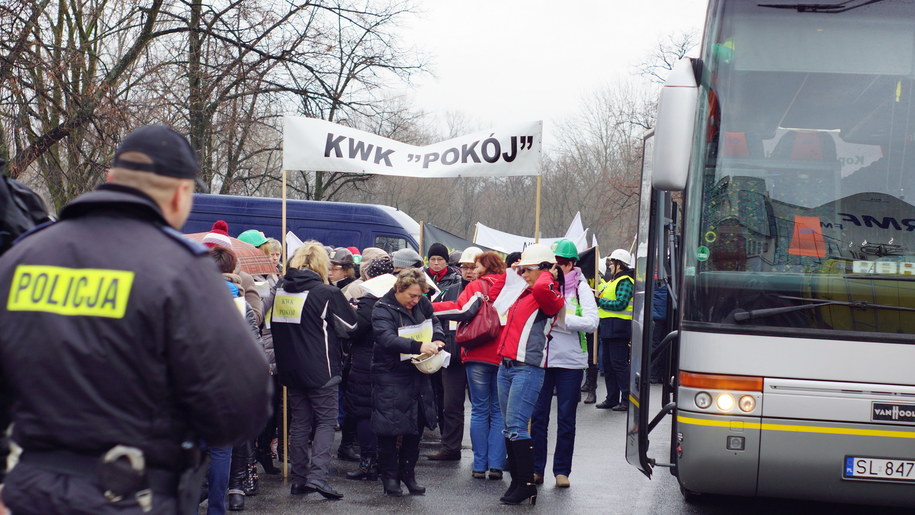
119, 350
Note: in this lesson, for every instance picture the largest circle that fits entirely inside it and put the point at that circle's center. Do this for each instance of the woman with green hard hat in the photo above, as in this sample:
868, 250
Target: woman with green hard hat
564, 368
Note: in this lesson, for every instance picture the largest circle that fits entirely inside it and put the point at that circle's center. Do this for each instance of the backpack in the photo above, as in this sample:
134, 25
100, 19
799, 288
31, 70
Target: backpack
21, 209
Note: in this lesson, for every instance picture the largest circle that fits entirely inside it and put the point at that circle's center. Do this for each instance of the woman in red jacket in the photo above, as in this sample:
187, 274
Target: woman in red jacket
523, 345
482, 366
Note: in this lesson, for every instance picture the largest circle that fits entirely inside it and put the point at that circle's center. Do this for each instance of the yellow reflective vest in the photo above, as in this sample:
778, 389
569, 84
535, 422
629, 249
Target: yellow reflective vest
608, 291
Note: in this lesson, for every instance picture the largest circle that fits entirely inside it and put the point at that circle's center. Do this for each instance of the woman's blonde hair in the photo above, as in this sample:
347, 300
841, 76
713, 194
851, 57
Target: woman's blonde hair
409, 277
311, 255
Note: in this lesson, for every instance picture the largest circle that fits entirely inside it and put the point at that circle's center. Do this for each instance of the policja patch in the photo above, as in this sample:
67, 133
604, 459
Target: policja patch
70, 291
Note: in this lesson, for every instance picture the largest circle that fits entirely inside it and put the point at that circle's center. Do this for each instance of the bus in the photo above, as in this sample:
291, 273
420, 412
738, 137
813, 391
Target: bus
778, 209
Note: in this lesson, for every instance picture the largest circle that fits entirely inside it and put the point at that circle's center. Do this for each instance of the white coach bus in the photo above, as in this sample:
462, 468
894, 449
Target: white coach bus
778, 207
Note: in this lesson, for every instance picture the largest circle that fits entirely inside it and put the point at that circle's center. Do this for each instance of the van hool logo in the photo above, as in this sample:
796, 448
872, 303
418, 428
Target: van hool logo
894, 412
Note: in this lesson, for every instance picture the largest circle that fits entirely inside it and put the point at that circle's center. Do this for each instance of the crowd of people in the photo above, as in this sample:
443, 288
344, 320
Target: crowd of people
340, 327
379, 346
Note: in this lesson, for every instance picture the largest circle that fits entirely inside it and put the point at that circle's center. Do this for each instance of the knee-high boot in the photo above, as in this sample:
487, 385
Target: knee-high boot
524, 470
510, 467
238, 474
388, 466
409, 453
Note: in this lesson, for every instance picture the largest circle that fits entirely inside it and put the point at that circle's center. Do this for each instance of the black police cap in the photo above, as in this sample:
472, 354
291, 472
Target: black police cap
170, 152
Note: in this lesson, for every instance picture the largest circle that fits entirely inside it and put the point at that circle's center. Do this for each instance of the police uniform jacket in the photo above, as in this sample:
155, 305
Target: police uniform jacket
117, 330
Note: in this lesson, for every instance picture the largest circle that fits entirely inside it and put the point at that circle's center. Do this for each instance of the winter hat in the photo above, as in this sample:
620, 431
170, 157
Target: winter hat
380, 266
407, 258
454, 257
437, 249
218, 235
368, 255
220, 227
253, 236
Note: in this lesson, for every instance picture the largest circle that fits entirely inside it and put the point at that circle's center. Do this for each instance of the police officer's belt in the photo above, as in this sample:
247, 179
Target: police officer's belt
86, 466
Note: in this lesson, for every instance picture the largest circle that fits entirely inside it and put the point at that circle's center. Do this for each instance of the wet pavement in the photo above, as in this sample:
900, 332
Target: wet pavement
602, 482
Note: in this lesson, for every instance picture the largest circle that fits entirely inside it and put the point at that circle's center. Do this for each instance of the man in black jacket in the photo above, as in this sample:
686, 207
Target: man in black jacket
119, 350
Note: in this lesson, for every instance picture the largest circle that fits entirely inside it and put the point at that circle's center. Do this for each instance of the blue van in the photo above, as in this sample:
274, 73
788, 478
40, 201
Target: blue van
338, 224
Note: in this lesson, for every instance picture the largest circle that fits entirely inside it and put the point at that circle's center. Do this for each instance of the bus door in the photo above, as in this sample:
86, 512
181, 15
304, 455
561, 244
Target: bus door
653, 351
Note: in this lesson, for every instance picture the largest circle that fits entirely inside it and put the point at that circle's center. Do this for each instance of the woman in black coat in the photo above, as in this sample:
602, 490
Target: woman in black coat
358, 396
402, 399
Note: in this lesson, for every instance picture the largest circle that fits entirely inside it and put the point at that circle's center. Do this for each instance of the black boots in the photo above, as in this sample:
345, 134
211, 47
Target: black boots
238, 476
409, 454
510, 467
368, 469
388, 465
590, 386
521, 464
265, 458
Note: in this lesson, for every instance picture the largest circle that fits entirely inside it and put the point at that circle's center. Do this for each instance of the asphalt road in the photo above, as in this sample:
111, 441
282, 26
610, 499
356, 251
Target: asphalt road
602, 482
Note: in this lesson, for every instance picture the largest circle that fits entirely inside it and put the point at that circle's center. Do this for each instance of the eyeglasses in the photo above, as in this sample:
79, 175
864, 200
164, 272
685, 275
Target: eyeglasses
336, 267
467, 267
522, 269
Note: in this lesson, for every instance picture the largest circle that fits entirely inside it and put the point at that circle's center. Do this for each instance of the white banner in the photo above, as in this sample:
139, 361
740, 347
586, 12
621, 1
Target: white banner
507, 242
313, 144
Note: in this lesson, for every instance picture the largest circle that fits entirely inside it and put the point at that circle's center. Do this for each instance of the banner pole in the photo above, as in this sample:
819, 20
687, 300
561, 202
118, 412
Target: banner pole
422, 230
537, 215
285, 398
597, 279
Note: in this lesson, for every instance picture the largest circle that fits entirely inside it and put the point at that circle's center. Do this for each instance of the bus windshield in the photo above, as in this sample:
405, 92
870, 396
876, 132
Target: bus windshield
804, 171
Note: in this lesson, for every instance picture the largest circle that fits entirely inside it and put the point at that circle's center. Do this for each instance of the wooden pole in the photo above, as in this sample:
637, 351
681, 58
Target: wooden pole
597, 279
537, 215
422, 225
285, 393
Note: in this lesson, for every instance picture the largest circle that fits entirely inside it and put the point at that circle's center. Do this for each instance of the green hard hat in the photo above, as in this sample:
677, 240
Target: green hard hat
253, 236
565, 249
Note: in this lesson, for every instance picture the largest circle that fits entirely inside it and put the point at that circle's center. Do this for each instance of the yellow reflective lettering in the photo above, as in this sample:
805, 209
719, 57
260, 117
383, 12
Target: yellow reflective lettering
35, 288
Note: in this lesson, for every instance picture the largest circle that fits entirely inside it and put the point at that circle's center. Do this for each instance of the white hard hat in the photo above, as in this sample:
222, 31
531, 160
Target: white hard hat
621, 256
428, 364
536, 254
470, 255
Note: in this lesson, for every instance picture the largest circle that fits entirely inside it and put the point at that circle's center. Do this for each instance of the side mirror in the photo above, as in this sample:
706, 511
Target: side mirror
674, 128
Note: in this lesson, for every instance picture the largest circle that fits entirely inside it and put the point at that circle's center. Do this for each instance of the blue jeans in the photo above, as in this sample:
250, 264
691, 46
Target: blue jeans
486, 422
567, 383
218, 479
519, 387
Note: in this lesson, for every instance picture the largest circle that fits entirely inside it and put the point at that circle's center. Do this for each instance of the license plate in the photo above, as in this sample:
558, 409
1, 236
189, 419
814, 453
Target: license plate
879, 469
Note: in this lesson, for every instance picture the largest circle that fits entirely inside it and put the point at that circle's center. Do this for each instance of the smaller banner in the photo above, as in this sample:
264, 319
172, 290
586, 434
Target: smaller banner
432, 234
314, 144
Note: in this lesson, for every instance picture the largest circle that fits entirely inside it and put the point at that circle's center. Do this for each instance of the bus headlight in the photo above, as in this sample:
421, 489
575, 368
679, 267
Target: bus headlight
747, 403
703, 400
725, 402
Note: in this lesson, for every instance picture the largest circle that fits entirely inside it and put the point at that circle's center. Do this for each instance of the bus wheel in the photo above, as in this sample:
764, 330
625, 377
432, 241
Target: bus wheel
689, 496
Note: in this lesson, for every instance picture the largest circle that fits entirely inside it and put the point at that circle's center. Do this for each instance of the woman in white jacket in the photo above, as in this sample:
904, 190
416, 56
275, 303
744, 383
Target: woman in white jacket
566, 360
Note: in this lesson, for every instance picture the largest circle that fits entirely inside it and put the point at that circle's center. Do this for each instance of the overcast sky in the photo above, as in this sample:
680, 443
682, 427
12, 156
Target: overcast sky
520, 60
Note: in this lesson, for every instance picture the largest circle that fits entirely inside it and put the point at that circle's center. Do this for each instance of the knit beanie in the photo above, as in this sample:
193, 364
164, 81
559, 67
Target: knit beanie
220, 227
368, 255
437, 249
380, 266
407, 258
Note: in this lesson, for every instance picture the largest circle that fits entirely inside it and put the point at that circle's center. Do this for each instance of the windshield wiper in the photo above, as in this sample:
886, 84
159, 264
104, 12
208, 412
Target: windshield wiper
742, 316
839, 7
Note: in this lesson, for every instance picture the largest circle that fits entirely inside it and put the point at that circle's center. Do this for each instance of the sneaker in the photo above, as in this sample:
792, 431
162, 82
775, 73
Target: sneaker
478, 474
624, 406
562, 481
495, 474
